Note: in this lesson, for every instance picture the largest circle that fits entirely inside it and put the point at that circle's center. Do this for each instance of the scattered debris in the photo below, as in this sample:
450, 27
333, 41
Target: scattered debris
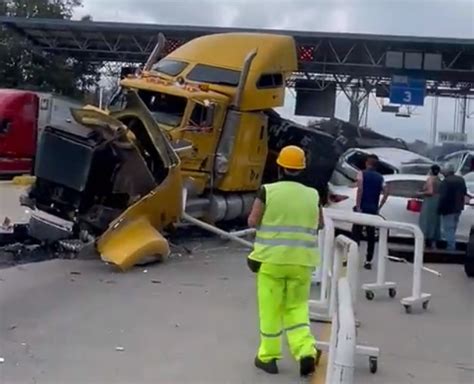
2, 360
72, 246
145, 271
176, 325
13, 326
223, 278
156, 282
110, 282
75, 273
120, 349
7, 224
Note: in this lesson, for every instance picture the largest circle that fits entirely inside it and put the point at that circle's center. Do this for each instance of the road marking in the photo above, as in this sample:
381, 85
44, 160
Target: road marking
320, 376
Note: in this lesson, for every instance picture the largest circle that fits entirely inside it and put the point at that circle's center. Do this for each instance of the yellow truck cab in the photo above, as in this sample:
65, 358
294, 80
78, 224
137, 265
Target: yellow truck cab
213, 92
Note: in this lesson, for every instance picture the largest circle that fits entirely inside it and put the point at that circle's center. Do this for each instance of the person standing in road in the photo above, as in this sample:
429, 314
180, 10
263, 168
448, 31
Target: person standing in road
370, 185
429, 217
452, 197
286, 215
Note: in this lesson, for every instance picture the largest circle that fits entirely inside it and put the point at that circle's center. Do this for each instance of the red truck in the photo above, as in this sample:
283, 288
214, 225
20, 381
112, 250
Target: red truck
23, 115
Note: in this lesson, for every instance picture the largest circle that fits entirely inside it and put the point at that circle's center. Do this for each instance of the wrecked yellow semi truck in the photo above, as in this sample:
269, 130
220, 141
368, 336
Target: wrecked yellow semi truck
188, 132
213, 92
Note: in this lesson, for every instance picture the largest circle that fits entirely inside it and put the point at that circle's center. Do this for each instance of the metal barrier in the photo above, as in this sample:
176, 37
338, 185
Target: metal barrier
341, 310
344, 249
326, 243
342, 346
417, 296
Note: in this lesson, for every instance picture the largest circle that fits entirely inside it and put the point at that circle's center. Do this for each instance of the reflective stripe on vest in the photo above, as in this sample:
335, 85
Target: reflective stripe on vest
287, 243
289, 228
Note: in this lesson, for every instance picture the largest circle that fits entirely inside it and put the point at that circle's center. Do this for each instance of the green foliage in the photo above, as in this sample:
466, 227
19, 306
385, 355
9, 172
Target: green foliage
22, 66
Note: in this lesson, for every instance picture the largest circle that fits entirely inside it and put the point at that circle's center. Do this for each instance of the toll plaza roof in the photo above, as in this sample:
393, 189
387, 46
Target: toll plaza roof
362, 55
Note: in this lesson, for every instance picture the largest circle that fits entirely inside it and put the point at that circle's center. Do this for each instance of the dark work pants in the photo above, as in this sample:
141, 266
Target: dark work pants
357, 235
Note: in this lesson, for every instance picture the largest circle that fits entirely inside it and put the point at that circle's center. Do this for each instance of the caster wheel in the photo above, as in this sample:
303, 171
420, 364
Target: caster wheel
407, 308
425, 305
373, 364
392, 292
369, 295
318, 356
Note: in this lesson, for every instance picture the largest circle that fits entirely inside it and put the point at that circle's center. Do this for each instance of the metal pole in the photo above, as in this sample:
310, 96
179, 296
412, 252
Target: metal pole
243, 232
217, 231
382, 254
101, 97
328, 250
418, 265
353, 261
336, 270
346, 336
332, 348
434, 121
463, 114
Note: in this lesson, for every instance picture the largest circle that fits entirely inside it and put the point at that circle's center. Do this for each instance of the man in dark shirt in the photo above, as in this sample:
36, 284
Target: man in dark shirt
452, 197
370, 185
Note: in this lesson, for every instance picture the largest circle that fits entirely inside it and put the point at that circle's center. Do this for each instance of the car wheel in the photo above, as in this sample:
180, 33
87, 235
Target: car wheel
469, 259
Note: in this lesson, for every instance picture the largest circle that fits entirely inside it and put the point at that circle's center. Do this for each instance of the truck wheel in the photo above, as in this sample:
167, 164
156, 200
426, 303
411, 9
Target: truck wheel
469, 258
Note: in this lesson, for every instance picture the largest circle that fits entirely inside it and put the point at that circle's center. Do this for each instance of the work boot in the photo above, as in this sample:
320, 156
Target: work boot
368, 265
307, 365
270, 367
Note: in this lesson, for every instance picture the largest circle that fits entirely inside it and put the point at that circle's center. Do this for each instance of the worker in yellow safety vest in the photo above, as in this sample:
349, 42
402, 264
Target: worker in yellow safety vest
286, 215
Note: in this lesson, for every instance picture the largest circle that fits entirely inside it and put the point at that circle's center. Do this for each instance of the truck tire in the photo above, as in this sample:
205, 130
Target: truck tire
469, 259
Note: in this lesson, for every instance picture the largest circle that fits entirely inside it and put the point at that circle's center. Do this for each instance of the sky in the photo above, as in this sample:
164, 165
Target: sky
438, 18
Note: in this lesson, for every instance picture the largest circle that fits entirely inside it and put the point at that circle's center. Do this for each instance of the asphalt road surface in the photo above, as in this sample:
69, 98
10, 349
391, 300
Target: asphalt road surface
193, 320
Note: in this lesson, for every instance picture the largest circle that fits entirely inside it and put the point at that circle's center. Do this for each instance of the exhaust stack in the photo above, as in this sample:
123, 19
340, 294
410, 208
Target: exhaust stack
153, 58
243, 78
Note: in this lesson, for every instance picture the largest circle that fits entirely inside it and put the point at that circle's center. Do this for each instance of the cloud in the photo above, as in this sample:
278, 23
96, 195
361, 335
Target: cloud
453, 18
444, 18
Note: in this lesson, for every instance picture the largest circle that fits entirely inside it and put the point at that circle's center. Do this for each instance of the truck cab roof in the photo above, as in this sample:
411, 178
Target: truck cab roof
218, 60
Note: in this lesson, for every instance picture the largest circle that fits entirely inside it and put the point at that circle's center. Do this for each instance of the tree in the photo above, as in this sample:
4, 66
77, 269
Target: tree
23, 66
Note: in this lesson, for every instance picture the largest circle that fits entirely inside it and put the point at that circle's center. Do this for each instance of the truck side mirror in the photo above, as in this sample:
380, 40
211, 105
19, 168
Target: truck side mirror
209, 117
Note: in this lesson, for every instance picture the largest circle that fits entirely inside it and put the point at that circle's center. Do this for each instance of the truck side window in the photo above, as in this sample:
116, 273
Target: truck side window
272, 80
5, 125
201, 116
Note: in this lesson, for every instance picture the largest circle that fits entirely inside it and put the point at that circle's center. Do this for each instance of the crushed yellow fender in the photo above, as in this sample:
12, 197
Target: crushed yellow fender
131, 242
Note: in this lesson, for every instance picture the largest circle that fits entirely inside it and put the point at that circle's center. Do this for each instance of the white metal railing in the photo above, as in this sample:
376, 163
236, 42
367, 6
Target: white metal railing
341, 312
417, 297
342, 346
344, 249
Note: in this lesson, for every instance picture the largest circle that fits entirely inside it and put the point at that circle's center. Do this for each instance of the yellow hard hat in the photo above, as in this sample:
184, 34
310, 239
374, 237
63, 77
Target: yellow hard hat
292, 157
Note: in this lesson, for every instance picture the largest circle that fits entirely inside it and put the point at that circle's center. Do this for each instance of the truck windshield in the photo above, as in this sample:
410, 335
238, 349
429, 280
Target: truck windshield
214, 75
166, 109
170, 67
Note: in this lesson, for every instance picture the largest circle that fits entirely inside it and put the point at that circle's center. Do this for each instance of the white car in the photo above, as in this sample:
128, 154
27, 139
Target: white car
401, 206
470, 182
391, 161
461, 161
